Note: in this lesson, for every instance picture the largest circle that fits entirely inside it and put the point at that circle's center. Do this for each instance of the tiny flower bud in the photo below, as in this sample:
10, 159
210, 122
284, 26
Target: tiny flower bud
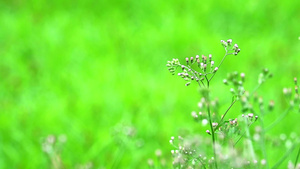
210, 56
235, 46
265, 71
295, 80
205, 59
188, 83
216, 69
225, 81
250, 115
192, 58
242, 75
150, 162
194, 115
224, 43
256, 117
158, 152
263, 162
208, 132
204, 67
197, 57
271, 105
229, 41
182, 67
187, 60
214, 124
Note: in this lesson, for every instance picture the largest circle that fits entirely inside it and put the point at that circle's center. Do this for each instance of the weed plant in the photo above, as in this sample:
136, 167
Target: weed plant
230, 143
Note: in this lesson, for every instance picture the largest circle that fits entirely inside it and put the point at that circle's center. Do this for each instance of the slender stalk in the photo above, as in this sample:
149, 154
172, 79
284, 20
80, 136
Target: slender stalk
250, 144
219, 64
242, 136
295, 164
252, 93
210, 123
284, 157
278, 119
222, 119
262, 141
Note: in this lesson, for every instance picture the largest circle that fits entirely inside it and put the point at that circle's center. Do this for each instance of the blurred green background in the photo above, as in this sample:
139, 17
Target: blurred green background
94, 71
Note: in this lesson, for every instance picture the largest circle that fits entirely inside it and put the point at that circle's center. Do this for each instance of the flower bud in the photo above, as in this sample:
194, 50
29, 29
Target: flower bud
235, 46
187, 60
224, 44
216, 69
243, 76
208, 132
229, 41
271, 105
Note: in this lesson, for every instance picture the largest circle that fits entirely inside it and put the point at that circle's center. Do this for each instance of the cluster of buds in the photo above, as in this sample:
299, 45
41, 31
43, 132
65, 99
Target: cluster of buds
264, 75
204, 63
236, 80
250, 117
172, 65
235, 48
293, 98
230, 127
186, 152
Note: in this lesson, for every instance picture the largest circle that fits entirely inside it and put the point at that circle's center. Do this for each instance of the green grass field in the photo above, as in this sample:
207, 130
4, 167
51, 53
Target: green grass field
91, 70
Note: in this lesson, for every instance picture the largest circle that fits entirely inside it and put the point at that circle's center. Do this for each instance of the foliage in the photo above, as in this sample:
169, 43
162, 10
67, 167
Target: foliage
84, 69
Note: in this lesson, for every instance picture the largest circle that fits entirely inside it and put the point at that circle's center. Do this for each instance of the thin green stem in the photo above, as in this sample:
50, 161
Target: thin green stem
295, 164
210, 123
279, 119
283, 157
262, 140
222, 119
242, 135
219, 64
250, 144
255, 89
